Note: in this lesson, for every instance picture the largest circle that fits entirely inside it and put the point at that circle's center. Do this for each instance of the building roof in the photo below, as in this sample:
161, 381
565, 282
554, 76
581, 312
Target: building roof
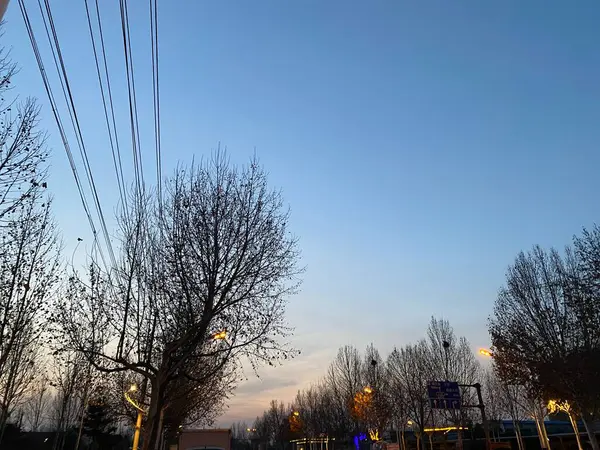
206, 430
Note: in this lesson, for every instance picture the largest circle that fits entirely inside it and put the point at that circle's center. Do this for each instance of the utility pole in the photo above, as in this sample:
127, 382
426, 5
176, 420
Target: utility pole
446, 346
3, 6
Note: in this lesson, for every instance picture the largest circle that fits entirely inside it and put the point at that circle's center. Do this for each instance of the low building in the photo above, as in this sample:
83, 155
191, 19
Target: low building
194, 439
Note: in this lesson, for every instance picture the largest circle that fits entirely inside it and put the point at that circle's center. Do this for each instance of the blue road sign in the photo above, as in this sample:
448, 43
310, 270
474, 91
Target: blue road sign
443, 394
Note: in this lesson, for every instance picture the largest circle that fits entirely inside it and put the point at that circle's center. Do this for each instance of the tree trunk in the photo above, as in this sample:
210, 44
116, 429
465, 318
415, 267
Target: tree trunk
3, 420
541, 428
158, 445
459, 440
518, 435
575, 430
151, 429
589, 427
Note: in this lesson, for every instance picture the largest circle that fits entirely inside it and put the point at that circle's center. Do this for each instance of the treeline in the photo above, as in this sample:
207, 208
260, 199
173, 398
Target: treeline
367, 393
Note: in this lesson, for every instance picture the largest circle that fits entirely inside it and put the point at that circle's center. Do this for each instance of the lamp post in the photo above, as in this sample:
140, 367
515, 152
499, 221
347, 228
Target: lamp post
140, 413
446, 346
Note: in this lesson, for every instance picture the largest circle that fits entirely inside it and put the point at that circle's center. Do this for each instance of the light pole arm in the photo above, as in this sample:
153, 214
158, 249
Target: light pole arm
134, 404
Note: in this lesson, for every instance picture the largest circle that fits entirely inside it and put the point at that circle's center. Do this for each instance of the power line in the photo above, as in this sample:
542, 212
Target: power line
60, 66
114, 145
156, 95
133, 117
59, 124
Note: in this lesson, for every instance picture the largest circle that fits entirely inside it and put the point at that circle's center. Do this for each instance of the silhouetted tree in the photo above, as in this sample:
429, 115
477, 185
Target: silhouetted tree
410, 366
212, 254
545, 326
99, 422
452, 359
22, 150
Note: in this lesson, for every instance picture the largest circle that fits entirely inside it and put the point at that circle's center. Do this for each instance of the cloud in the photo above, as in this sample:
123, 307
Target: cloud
258, 385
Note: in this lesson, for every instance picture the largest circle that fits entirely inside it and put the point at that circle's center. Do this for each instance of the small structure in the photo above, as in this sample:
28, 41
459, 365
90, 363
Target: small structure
194, 439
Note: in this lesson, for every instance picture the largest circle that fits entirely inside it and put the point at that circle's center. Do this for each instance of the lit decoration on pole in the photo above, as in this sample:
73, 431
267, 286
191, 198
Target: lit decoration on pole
564, 406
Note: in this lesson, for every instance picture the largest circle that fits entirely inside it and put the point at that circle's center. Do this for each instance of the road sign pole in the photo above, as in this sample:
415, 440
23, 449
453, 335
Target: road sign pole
486, 426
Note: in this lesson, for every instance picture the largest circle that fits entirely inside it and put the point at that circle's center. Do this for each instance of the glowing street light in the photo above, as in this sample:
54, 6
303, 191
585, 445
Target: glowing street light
296, 413
486, 352
368, 390
220, 335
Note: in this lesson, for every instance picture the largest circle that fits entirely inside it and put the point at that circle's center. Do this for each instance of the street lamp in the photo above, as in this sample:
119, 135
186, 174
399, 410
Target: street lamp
219, 335
367, 390
486, 352
140, 412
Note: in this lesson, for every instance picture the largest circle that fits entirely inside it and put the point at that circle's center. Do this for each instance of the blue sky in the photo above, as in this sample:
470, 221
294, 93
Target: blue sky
420, 145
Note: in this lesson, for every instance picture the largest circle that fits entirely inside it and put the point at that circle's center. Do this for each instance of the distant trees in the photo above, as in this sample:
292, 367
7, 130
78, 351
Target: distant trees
545, 328
365, 393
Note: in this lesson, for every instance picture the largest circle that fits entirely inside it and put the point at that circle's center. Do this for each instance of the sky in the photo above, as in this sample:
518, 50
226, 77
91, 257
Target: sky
419, 145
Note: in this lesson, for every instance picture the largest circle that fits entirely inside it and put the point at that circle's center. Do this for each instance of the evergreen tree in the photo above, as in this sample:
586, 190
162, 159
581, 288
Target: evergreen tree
99, 423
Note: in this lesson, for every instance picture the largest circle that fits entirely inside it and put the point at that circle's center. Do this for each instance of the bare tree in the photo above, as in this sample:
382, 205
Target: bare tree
345, 379
376, 391
69, 377
214, 257
22, 150
492, 392
17, 380
29, 270
398, 402
315, 412
410, 367
276, 416
544, 329
195, 403
36, 407
452, 359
